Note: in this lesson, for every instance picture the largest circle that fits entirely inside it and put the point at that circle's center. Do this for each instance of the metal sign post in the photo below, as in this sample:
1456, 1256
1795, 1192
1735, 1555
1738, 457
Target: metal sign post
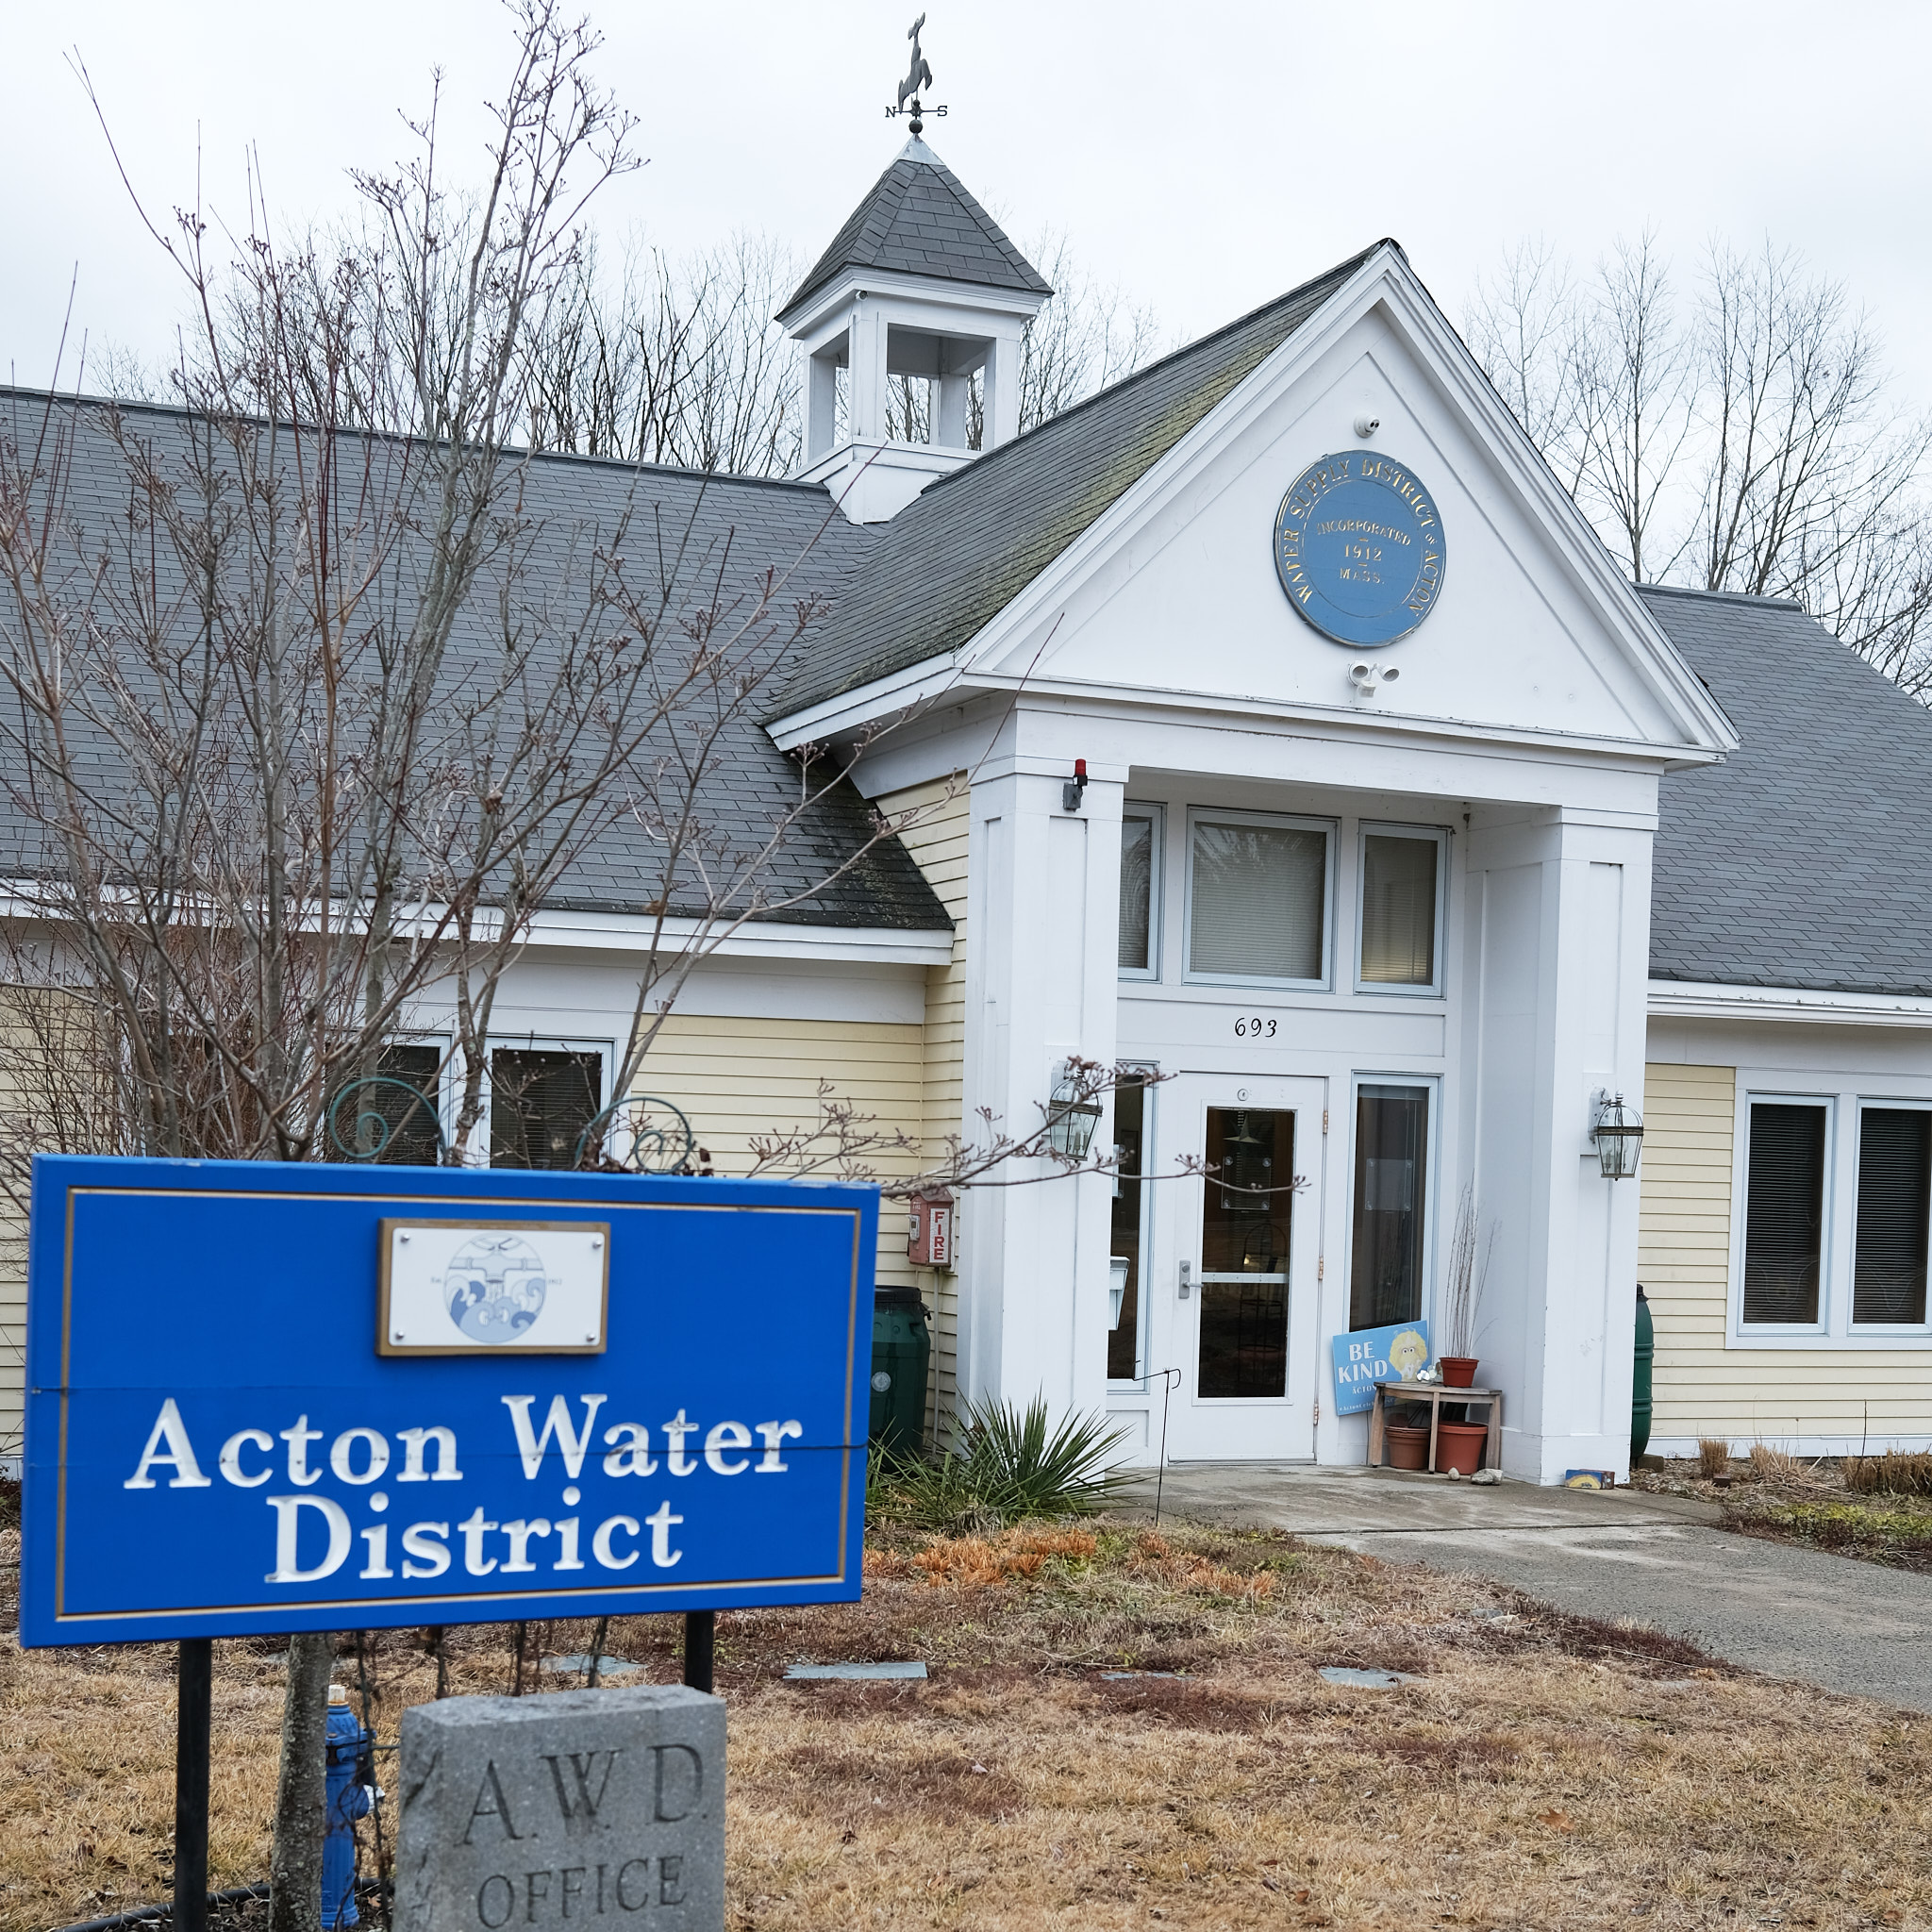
266, 1397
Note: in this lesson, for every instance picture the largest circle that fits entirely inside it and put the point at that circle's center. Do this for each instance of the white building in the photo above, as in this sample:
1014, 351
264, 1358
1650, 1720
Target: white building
1393, 917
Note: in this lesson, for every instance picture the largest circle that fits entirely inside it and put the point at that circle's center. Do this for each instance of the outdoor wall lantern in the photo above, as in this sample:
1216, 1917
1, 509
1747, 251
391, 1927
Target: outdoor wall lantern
1619, 1137
1071, 1119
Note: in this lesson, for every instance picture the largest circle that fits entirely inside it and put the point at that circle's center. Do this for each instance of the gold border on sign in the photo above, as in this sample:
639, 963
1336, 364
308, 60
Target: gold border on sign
84, 1618
385, 1346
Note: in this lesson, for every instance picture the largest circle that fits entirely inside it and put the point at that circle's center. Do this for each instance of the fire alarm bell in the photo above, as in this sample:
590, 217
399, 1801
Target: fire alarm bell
929, 1237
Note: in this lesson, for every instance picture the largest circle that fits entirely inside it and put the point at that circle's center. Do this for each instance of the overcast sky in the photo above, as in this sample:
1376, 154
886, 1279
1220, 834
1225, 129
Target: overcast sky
1205, 156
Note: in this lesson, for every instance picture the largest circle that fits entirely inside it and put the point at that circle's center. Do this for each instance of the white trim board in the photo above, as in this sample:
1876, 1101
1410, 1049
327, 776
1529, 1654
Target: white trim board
1682, 999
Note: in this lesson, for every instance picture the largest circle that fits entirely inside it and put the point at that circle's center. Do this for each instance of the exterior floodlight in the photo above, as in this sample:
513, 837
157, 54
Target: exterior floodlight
1070, 1120
1619, 1137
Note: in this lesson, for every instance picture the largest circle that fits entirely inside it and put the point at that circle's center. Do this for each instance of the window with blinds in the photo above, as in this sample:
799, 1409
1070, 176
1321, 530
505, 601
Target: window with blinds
1399, 899
540, 1101
1257, 904
393, 1119
1894, 1211
1784, 1211
1140, 852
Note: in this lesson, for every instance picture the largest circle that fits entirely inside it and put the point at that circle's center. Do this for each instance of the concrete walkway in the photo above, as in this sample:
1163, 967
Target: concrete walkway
1661, 1561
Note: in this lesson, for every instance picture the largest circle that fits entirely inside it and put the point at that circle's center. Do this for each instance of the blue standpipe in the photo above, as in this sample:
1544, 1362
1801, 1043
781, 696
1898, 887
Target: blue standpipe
350, 1794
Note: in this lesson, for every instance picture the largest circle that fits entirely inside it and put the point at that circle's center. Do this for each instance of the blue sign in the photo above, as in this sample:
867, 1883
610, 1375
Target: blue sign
265, 1397
1359, 548
1367, 1356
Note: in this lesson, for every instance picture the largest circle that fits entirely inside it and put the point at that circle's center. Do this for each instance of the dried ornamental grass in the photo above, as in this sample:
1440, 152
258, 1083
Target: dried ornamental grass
1110, 1740
1713, 1456
1897, 1473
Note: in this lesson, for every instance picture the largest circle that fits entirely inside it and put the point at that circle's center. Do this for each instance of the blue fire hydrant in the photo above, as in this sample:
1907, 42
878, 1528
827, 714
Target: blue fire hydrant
350, 1794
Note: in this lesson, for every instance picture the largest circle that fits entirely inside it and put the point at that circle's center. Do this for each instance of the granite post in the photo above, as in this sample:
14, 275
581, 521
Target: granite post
599, 1807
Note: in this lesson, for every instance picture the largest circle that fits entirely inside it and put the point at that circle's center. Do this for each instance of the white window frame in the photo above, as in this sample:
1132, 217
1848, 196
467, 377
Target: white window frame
1788, 1332
1438, 835
539, 1043
1156, 871
1432, 1163
1330, 830
1876, 1331
1150, 1102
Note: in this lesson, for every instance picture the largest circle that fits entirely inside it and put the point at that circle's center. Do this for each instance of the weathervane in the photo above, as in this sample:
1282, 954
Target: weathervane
918, 75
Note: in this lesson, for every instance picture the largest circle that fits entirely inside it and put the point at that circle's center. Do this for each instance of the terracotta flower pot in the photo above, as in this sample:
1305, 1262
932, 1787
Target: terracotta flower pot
1408, 1448
1458, 1371
1460, 1446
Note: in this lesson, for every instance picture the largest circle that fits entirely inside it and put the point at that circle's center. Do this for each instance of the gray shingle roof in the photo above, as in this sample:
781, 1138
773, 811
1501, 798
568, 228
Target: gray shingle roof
919, 221
1805, 860
967, 546
704, 530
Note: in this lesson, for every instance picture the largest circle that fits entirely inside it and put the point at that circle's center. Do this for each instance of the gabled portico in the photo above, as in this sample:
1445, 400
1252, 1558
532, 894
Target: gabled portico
1536, 706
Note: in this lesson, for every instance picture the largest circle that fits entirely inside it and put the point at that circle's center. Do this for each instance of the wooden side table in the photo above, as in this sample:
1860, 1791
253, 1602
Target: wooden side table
1435, 1394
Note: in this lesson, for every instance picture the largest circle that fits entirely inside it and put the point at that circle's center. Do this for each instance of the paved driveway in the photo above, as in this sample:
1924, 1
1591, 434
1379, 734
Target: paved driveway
1661, 1561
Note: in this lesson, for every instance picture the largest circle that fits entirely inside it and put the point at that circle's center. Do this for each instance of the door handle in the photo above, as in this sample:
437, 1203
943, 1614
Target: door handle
1187, 1279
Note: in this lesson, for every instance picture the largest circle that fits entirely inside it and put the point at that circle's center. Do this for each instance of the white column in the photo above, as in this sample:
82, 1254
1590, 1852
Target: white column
1002, 390
1042, 943
1557, 954
865, 397
821, 402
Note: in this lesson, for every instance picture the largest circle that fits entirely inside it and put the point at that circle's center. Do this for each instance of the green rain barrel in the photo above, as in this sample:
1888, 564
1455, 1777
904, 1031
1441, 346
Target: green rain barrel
1640, 1381
901, 1355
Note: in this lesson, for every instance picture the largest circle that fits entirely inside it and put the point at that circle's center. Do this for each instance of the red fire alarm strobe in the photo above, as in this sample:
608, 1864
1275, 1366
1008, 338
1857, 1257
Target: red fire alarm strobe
929, 1237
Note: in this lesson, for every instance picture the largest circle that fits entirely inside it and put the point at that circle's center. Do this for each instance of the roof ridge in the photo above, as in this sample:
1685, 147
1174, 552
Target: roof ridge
1724, 596
187, 413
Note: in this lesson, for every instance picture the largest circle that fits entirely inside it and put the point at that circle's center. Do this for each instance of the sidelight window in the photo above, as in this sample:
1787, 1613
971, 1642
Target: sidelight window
1391, 1149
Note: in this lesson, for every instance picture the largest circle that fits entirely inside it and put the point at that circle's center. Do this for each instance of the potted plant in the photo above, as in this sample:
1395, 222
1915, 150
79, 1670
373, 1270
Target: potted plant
1462, 1293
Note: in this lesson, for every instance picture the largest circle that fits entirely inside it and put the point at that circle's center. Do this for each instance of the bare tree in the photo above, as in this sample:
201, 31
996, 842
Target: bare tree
1743, 441
1087, 337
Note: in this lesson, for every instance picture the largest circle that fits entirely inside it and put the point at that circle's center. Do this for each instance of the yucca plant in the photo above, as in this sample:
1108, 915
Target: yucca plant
1011, 1465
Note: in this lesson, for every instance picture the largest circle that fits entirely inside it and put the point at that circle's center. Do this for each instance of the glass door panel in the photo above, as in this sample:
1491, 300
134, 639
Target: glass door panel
1245, 1247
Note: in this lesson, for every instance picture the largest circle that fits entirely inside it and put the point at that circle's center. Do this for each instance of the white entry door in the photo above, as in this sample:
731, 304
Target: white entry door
1241, 1297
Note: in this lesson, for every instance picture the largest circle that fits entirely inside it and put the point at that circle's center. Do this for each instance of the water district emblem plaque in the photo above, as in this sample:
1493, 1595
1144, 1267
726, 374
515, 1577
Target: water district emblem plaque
1359, 548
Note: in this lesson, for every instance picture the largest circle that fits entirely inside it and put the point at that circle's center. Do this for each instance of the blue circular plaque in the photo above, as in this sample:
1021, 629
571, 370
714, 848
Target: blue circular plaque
1359, 548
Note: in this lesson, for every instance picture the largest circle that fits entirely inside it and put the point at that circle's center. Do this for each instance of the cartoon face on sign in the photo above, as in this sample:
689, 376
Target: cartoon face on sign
494, 1286
1409, 1353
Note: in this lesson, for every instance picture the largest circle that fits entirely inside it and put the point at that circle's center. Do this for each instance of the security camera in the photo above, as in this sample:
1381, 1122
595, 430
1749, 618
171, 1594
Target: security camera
1367, 678
1367, 424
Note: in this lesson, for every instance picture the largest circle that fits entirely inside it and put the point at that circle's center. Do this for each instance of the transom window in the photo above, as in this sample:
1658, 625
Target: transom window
1401, 909
1257, 898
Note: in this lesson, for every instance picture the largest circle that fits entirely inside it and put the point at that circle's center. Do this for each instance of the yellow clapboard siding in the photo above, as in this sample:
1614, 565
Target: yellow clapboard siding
1683, 1261
936, 830
736, 1079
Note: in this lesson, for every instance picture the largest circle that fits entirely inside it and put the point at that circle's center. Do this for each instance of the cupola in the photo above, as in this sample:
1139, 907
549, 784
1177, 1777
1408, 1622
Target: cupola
920, 283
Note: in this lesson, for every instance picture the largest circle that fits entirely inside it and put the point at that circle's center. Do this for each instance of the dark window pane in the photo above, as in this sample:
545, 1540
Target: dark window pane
391, 1121
1136, 893
1784, 1212
1392, 1147
1894, 1204
1261, 899
1129, 1131
1398, 911
540, 1105
1245, 1235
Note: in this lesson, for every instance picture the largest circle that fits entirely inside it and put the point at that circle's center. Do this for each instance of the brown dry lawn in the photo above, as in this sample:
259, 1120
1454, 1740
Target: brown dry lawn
1538, 1770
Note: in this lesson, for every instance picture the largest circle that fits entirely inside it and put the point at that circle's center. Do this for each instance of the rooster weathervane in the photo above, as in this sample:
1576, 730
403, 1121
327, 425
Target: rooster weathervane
918, 75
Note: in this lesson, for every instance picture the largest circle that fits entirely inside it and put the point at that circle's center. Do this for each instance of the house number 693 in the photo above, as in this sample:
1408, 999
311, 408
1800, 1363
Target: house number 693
1253, 1026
